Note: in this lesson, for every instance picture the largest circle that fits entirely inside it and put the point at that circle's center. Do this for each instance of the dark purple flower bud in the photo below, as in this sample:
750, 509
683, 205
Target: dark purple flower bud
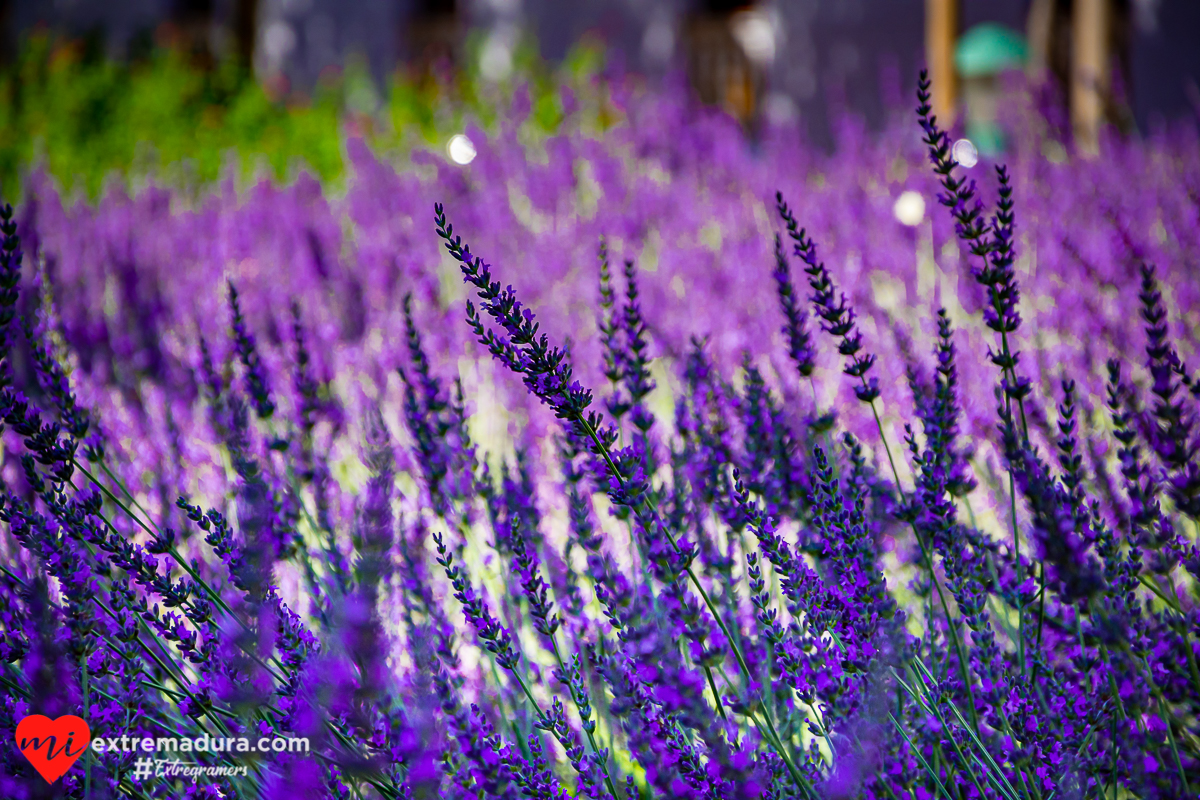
257, 383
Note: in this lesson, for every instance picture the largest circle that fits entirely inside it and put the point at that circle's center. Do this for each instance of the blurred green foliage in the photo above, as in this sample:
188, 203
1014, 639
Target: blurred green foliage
84, 117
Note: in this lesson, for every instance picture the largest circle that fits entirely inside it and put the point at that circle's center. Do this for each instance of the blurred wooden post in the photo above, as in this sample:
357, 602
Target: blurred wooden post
941, 33
1039, 33
193, 22
1089, 72
720, 70
431, 36
8, 38
245, 32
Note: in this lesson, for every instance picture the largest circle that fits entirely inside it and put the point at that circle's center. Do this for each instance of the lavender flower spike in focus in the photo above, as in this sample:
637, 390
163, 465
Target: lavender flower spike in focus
837, 317
546, 370
610, 339
496, 639
800, 347
10, 278
1174, 441
991, 242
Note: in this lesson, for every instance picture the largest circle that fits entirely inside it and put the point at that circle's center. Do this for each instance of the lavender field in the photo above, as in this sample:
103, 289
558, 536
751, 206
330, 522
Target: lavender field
632, 460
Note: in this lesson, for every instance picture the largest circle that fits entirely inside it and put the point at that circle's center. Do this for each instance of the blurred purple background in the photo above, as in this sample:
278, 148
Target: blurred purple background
824, 51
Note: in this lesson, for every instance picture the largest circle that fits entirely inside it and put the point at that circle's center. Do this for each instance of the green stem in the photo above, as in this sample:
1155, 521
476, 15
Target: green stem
612, 789
932, 707
712, 683
917, 752
820, 723
1180, 624
950, 626
1012, 495
1011, 375
737, 651
1112, 770
183, 564
797, 777
1167, 719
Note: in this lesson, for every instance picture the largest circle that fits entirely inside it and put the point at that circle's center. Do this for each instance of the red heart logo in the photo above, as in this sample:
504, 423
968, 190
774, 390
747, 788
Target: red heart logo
53, 745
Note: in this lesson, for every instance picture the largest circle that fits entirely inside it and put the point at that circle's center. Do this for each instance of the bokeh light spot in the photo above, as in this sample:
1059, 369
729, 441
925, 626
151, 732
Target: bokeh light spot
460, 149
910, 208
965, 153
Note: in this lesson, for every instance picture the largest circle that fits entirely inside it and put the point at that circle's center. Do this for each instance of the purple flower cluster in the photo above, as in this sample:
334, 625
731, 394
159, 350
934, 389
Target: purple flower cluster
705, 552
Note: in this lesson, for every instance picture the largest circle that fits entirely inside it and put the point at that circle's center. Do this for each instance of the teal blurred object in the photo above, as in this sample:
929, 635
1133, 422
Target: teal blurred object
988, 49
982, 54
